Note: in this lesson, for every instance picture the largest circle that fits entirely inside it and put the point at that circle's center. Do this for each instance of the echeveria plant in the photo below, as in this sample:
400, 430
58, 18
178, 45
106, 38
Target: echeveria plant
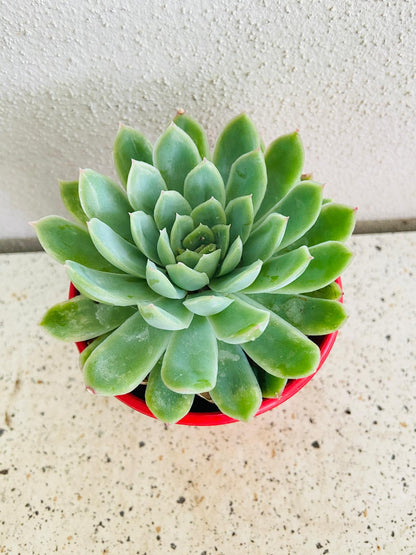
201, 274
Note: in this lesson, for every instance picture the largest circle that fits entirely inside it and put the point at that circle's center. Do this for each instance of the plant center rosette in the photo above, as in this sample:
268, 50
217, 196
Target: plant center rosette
201, 275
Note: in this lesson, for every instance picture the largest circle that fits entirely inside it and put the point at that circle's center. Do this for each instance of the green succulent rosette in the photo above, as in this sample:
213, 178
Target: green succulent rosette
201, 275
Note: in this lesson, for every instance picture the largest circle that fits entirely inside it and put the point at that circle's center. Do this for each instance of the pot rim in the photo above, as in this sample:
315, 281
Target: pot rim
219, 418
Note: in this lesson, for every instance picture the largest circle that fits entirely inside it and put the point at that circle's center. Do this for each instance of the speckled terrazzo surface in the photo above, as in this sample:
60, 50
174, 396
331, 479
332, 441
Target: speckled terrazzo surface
331, 471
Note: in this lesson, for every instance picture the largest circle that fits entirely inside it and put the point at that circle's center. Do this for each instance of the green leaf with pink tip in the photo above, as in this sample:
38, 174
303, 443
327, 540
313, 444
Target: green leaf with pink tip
309, 315
240, 215
190, 363
329, 260
209, 213
145, 234
167, 405
206, 303
265, 240
104, 287
279, 271
282, 350
236, 393
164, 249
240, 322
175, 155
232, 258
144, 186
284, 162
166, 314
335, 223
130, 145
248, 176
168, 205
202, 183
237, 138
121, 253
80, 318
161, 284
302, 206
186, 278
70, 198
194, 130
103, 199
238, 280
182, 226
121, 362
64, 240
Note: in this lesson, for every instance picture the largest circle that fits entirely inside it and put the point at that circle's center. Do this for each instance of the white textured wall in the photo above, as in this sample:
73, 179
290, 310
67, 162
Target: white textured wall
342, 71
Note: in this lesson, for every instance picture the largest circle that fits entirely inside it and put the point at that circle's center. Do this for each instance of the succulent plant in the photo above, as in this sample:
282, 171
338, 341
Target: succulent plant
200, 275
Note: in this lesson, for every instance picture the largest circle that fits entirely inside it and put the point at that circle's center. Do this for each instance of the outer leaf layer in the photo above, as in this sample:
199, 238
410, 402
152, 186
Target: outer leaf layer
125, 358
130, 145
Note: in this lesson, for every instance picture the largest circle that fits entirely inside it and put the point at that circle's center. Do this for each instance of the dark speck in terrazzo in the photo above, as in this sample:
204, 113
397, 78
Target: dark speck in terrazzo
180, 500
173, 545
2, 431
4, 471
315, 444
141, 444
378, 248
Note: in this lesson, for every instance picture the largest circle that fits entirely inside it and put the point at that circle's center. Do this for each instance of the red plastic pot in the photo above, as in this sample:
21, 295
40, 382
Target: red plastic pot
217, 418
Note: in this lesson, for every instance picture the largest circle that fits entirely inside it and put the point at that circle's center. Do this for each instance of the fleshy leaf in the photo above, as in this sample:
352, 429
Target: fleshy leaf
175, 155
239, 214
238, 137
237, 392
335, 223
248, 176
125, 357
166, 314
190, 363
114, 289
208, 263
283, 351
206, 303
264, 241
91, 347
194, 130
329, 260
202, 183
237, 281
332, 292
164, 249
309, 315
284, 162
70, 198
186, 278
168, 205
280, 271
201, 235
160, 283
144, 186
167, 405
190, 258
232, 259
302, 206
182, 226
222, 237
209, 213
103, 199
80, 318
121, 253
271, 386
63, 240
145, 234
240, 322
130, 145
